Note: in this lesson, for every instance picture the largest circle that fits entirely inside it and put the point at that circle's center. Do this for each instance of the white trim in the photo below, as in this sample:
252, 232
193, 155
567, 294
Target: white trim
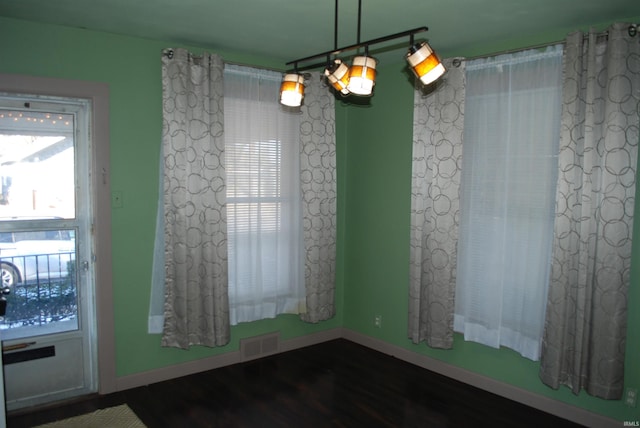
217, 361
545, 404
312, 339
177, 370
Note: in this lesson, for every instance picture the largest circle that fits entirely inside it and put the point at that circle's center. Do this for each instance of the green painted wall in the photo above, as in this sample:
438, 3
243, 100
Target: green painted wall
379, 145
374, 173
131, 67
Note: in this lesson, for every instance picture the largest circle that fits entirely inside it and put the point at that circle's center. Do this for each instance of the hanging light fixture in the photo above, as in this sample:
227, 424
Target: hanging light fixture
338, 76
424, 63
362, 75
359, 79
292, 89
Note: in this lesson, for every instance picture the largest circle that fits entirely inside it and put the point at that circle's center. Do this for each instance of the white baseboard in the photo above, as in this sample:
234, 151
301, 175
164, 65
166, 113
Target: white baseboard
548, 405
217, 361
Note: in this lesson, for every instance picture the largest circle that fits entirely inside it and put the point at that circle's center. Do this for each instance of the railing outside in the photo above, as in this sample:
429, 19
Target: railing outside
48, 296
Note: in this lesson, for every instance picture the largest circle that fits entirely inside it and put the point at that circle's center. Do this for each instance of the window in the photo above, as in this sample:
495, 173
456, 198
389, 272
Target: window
263, 198
509, 172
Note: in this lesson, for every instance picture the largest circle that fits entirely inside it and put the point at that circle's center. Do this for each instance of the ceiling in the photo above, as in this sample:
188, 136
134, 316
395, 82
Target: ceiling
284, 30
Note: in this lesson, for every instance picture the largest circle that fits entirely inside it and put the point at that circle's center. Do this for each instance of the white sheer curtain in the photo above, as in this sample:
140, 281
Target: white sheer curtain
266, 266
509, 171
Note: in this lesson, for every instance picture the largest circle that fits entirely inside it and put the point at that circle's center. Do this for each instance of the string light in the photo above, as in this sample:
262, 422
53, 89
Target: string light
34, 118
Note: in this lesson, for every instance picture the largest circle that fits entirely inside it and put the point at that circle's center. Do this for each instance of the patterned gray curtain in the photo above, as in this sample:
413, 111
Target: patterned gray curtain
584, 339
318, 181
196, 306
435, 201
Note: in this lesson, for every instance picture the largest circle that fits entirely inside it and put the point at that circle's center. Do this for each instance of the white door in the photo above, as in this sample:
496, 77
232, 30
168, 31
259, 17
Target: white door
48, 332
3, 415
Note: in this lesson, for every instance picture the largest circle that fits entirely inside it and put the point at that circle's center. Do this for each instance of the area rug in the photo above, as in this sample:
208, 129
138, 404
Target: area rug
113, 417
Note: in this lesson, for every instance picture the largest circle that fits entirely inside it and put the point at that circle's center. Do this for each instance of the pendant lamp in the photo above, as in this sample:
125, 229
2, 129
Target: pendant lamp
424, 63
362, 75
292, 90
338, 76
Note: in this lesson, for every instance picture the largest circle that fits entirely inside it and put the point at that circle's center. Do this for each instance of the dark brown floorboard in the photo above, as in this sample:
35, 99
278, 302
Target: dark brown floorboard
334, 384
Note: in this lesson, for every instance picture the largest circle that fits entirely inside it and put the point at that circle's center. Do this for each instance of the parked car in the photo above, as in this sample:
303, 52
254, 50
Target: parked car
38, 255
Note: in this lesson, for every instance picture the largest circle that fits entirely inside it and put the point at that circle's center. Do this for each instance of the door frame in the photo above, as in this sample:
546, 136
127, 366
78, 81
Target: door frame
100, 186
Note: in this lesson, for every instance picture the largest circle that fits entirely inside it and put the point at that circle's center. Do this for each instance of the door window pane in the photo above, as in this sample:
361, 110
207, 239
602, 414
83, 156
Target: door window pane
36, 165
38, 266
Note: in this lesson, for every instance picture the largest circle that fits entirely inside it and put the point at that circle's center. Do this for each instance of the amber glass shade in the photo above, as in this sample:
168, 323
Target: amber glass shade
338, 76
292, 90
425, 63
362, 75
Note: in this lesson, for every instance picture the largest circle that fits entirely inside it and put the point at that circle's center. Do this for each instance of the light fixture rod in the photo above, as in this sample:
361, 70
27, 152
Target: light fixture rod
335, 27
356, 46
359, 18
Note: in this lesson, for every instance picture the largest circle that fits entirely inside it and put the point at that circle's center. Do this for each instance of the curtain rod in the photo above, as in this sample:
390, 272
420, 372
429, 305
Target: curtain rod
538, 46
169, 54
169, 51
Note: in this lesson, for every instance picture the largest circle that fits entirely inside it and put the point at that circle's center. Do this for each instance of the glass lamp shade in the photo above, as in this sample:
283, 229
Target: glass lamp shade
338, 76
292, 90
425, 63
362, 75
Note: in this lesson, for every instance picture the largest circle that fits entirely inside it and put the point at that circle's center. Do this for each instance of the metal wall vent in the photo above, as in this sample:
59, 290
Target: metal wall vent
259, 346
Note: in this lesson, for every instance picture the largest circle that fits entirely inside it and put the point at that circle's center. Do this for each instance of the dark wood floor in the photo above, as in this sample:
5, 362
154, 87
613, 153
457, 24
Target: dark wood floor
334, 384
